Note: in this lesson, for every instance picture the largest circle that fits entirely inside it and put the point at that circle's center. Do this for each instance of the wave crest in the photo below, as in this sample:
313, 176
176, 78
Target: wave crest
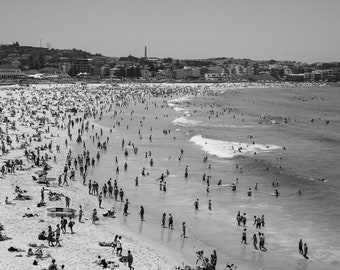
226, 149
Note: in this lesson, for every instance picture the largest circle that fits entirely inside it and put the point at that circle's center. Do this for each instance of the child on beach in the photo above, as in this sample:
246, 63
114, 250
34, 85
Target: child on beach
94, 216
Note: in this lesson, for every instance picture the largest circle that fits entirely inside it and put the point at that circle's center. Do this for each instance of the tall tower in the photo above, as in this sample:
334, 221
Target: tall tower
145, 52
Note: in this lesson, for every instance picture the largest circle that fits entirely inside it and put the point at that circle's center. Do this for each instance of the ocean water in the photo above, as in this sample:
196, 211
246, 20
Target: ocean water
289, 136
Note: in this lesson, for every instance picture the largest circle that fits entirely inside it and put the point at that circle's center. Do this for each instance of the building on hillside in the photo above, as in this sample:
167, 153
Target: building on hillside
328, 74
196, 72
287, 71
105, 71
127, 61
239, 70
82, 65
165, 75
215, 69
145, 74
65, 67
182, 74
119, 71
10, 72
296, 77
216, 76
250, 71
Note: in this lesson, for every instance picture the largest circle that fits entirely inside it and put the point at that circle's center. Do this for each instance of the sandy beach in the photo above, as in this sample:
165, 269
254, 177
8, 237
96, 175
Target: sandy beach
79, 250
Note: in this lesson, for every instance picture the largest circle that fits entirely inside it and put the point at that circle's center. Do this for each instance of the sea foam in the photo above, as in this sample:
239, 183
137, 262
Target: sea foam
178, 109
178, 100
225, 149
185, 122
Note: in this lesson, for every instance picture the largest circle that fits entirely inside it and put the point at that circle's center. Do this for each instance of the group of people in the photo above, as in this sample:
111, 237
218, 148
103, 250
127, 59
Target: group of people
303, 249
81, 164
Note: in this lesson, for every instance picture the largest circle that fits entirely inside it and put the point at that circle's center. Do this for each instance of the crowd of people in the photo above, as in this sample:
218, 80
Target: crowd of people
93, 106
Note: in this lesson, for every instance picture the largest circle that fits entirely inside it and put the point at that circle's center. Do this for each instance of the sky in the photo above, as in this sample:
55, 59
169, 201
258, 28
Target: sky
297, 30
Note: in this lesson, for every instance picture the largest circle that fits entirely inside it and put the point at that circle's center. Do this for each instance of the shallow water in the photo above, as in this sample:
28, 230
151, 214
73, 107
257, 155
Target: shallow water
312, 153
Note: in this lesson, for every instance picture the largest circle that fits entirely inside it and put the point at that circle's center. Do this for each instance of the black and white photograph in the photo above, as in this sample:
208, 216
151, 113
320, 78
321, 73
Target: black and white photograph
169, 135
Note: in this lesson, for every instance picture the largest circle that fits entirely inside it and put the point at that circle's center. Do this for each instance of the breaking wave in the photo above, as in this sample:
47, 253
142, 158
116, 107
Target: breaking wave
225, 149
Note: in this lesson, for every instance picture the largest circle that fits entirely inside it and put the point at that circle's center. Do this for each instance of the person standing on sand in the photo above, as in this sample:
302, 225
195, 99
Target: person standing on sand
126, 207
63, 223
300, 246
244, 237
80, 213
50, 236
57, 236
130, 258
94, 216
196, 204
305, 251
209, 205
70, 224
59, 180
100, 199
121, 194
239, 218
262, 241
115, 193
67, 201
163, 220
65, 179
255, 241
183, 230
42, 194
90, 186
141, 213
119, 246
171, 222
244, 219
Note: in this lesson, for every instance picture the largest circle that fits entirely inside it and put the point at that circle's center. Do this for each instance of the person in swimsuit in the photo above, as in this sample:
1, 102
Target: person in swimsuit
183, 230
